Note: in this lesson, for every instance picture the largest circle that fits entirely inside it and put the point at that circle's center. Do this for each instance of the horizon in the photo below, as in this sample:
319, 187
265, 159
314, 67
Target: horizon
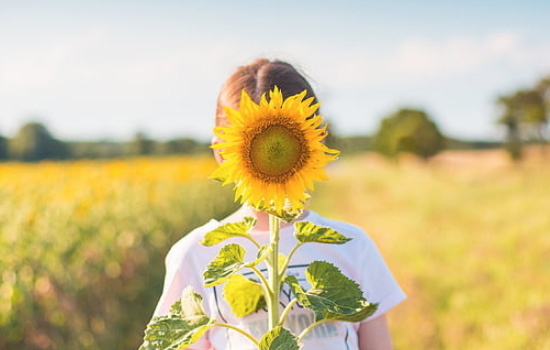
104, 71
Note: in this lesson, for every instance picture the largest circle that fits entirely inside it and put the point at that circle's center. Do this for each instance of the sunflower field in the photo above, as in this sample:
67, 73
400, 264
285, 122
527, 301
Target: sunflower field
82, 245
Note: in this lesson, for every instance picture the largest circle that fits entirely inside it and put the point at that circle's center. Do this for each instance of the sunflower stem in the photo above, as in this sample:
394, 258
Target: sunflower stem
285, 266
310, 327
273, 268
286, 311
265, 284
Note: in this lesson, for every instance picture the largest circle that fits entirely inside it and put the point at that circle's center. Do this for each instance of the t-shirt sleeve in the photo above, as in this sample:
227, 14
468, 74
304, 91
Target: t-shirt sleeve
180, 273
377, 281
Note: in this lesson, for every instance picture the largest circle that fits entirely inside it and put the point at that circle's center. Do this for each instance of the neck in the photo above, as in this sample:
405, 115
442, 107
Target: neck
261, 217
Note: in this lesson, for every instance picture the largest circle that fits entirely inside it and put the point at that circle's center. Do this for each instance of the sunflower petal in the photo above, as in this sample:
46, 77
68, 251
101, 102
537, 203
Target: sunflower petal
275, 98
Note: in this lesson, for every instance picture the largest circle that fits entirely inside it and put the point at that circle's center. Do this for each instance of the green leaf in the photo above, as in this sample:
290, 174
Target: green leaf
286, 214
263, 253
298, 292
164, 332
229, 261
192, 337
308, 232
332, 294
190, 306
244, 296
220, 234
366, 310
279, 338
185, 324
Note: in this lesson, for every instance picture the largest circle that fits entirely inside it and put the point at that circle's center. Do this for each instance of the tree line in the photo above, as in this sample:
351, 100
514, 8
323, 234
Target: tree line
523, 113
34, 142
406, 130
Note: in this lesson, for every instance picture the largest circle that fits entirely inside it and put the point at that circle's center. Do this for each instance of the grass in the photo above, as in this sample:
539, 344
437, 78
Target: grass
468, 241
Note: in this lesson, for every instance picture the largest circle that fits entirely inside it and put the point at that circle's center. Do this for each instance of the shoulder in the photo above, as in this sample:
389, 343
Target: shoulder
361, 261
189, 245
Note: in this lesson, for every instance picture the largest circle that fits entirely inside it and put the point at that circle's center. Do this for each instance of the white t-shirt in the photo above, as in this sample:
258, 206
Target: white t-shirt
358, 259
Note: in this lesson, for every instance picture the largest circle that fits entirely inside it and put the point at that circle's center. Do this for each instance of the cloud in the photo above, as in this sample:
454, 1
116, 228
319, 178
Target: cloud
427, 60
100, 78
101, 56
454, 56
102, 73
97, 56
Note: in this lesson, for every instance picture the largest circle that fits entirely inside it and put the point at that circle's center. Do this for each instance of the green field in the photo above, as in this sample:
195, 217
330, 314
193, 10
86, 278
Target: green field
466, 235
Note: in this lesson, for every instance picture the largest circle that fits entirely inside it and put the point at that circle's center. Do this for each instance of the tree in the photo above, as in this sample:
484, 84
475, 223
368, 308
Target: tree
532, 112
525, 115
34, 142
408, 130
3, 148
511, 118
141, 145
543, 88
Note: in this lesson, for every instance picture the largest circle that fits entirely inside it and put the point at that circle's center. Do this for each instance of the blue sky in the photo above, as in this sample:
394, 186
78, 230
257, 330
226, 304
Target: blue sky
106, 69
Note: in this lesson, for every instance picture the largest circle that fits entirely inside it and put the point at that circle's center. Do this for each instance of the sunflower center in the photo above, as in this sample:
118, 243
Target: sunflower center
277, 151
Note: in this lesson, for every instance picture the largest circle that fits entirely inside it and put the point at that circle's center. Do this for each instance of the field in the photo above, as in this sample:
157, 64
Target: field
466, 234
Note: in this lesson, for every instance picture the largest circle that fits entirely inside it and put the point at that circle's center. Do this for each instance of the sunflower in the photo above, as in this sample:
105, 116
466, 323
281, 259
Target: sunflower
273, 150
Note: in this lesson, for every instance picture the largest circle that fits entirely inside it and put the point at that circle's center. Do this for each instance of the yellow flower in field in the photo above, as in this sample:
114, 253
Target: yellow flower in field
273, 150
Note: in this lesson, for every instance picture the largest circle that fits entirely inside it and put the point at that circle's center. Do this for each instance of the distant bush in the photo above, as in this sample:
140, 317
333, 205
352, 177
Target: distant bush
34, 142
140, 145
352, 144
408, 130
456, 144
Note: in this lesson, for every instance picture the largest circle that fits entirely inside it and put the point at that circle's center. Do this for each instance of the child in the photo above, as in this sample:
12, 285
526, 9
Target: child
358, 259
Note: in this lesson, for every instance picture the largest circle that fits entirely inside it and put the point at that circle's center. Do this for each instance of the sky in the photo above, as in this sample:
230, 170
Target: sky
104, 70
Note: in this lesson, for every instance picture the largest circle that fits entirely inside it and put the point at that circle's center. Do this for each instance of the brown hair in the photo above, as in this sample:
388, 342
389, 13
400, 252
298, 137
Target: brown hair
258, 78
